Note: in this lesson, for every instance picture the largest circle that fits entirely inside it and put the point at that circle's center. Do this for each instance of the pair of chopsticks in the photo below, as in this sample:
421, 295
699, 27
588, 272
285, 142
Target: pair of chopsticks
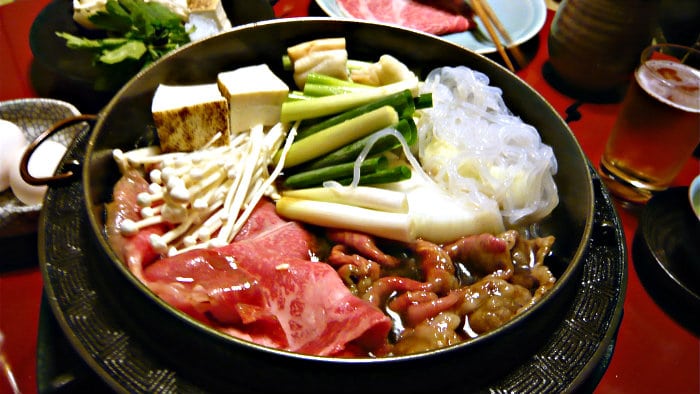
484, 11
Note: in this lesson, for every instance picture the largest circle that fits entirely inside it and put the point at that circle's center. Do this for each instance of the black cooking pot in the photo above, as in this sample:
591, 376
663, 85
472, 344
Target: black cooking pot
224, 363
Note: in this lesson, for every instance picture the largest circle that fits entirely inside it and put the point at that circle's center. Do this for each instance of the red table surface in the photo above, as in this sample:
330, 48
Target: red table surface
653, 353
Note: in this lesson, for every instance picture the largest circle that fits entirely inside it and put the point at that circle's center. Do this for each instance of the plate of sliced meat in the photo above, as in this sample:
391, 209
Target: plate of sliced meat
453, 20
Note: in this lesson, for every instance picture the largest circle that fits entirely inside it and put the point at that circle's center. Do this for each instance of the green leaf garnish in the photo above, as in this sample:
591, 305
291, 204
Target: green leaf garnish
129, 50
136, 32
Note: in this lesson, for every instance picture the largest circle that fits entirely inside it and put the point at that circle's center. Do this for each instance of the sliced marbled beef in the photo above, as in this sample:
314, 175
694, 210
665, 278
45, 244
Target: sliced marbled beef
263, 219
212, 288
136, 252
263, 287
436, 17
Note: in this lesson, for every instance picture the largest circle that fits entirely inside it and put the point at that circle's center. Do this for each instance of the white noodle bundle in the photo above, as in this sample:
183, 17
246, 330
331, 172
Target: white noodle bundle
472, 145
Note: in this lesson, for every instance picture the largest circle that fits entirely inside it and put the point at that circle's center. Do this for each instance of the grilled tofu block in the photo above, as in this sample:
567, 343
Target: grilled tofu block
188, 117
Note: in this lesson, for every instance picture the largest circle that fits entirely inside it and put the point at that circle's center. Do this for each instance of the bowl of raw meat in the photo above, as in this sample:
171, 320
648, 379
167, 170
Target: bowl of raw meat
336, 205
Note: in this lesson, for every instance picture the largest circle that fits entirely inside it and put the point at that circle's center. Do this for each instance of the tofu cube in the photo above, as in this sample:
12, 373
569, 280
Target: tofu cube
187, 117
208, 17
255, 95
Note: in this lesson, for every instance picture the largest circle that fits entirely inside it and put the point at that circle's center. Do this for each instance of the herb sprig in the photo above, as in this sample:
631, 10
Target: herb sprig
137, 34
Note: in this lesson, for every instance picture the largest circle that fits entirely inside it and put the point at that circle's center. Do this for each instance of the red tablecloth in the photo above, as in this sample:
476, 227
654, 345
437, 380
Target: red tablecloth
653, 353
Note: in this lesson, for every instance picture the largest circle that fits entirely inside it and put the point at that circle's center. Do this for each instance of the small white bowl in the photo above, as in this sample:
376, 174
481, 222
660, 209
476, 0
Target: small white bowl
694, 196
33, 116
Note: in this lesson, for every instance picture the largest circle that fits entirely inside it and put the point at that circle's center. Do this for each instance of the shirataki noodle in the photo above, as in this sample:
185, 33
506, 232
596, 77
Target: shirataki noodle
473, 145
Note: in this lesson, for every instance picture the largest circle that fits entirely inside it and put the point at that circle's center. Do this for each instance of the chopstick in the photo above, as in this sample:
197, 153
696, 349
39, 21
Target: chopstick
514, 49
484, 11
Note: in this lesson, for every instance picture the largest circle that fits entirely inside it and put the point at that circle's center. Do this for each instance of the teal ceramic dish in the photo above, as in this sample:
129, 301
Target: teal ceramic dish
522, 19
694, 196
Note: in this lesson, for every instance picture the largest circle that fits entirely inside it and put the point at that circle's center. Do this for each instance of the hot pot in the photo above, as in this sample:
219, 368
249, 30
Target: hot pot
222, 362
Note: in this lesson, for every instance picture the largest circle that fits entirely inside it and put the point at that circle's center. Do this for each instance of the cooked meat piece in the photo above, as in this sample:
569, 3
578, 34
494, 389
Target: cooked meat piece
436, 266
362, 244
435, 333
492, 302
484, 254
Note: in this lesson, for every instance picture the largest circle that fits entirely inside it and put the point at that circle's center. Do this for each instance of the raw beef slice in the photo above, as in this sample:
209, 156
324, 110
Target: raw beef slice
436, 17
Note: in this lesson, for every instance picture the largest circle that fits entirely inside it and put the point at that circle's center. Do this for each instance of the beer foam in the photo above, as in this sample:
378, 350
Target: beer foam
680, 86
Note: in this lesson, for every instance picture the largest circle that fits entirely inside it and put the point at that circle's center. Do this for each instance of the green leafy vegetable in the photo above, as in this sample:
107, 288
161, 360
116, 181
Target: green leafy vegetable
336, 136
317, 176
349, 152
129, 50
316, 107
394, 174
137, 34
401, 101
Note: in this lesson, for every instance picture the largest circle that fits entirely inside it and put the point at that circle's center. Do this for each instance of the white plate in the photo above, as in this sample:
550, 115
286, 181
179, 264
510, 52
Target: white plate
522, 18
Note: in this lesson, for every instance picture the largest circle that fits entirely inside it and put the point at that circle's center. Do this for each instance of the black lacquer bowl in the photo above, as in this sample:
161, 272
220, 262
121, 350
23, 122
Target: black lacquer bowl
191, 352
70, 75
667, 255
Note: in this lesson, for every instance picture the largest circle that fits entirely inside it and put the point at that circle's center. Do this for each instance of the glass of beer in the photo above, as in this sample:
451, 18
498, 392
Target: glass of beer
658, 126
